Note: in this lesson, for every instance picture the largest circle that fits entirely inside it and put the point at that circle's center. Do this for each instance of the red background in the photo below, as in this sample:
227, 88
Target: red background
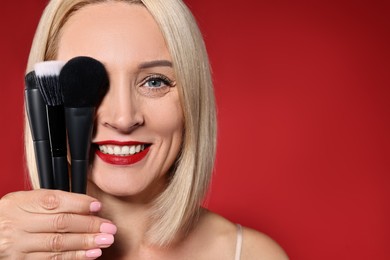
303, 103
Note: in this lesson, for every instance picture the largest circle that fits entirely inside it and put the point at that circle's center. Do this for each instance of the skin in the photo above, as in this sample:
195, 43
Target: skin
119, 196
131, 110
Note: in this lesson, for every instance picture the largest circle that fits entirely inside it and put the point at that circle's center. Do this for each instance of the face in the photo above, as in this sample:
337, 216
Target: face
139, 124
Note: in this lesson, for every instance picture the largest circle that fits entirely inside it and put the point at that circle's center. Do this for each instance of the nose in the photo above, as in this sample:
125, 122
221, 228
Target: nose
120, 109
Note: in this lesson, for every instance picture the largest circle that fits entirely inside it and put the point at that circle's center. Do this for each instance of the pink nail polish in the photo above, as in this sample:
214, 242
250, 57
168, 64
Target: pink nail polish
95, 206
104, 239
108, 228
94, 253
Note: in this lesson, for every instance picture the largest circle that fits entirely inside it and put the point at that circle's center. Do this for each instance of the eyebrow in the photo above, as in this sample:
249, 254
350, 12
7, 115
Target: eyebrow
155, 63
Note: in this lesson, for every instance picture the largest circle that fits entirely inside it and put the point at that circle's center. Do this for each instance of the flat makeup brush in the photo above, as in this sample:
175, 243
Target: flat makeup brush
47, 74
36, 113
84, 80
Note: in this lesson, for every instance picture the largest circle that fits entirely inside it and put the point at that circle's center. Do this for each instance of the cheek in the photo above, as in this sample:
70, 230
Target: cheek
166, 116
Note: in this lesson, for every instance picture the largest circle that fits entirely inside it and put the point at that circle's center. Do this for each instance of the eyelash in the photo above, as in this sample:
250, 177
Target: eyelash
166, 84
158, 77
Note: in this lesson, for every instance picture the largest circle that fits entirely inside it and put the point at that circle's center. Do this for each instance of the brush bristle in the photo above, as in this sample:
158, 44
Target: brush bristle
47, 74
48, 68
30, 80
84, 81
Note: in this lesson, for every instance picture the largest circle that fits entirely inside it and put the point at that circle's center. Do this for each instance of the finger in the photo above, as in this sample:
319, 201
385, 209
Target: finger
58, 242
56, 201
68, 223
71, 255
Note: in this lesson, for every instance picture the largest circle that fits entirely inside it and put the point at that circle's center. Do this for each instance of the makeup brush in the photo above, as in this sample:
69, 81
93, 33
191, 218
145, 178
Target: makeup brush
36, 113
84, 80
47, 74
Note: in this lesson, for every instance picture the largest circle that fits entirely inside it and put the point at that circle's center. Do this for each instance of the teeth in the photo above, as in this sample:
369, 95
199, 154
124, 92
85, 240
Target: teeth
125, 149
132, 149
121, 150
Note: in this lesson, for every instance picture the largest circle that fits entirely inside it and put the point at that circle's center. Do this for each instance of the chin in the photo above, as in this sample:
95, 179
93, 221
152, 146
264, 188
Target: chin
122, 185
118, 186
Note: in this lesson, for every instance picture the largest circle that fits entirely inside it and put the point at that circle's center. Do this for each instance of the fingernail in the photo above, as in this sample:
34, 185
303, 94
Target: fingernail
104, 239
94, 253
95, 206
108, 228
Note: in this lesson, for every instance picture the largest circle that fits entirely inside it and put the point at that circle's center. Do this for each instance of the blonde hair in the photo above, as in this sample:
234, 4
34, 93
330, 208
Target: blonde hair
177, 207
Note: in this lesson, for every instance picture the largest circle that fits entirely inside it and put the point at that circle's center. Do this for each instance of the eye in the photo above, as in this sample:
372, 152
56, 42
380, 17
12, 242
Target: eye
157, 81
156, 85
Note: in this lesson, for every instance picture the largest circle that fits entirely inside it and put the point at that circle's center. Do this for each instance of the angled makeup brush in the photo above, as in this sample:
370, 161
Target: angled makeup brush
84, 81
36, 113
47, 74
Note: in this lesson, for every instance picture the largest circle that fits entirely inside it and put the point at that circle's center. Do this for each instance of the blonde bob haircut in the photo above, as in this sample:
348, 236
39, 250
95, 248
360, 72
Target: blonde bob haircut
177, 207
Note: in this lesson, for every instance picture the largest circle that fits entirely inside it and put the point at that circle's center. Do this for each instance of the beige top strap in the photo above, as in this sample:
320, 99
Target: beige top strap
239, 242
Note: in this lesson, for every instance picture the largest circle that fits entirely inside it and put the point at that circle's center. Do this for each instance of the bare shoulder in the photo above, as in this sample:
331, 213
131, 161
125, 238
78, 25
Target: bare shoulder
257, 245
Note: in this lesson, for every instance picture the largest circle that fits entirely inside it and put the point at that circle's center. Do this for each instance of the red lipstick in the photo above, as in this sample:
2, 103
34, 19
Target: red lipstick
122, 160
108, 142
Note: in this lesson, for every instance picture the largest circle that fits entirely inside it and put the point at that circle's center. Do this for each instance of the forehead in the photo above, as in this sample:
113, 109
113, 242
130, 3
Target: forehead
112, 32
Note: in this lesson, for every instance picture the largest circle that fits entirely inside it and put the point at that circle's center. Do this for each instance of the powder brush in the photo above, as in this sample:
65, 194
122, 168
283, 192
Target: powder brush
84, 81
47, 73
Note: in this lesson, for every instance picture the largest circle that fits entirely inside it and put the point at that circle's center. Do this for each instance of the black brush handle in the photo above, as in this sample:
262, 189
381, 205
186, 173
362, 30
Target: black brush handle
45, 170
61, 176
79, 123
36, 113
79, 176
57, 133
57, 130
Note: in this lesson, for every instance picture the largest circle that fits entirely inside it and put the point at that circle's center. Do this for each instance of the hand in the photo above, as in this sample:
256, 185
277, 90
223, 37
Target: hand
51, 224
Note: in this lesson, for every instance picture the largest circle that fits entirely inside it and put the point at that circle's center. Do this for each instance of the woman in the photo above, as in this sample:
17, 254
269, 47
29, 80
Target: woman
160, 97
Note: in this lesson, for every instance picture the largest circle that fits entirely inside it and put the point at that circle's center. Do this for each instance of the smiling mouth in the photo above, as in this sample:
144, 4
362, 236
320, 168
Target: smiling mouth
118, 153
121, 150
